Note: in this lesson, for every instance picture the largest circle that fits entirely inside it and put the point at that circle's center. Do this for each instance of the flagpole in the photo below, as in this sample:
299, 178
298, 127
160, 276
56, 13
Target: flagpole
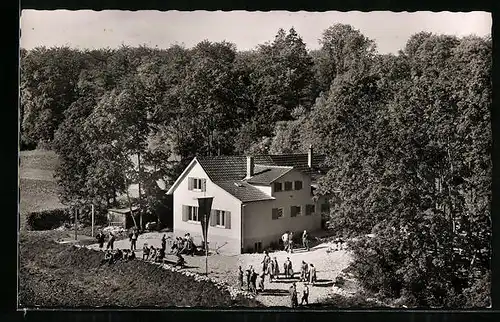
206, 247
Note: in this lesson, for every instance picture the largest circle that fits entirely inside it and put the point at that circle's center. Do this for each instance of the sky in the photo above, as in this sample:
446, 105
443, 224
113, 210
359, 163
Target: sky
112, 28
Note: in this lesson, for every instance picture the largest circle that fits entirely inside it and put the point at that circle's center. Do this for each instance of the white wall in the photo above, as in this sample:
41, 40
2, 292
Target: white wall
222, 201
258, 225
264, 189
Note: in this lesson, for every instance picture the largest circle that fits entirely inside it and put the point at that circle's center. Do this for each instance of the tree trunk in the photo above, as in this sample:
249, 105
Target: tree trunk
130, 203
139, 187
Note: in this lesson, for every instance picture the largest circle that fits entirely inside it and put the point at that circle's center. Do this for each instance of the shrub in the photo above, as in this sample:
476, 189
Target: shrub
48, 219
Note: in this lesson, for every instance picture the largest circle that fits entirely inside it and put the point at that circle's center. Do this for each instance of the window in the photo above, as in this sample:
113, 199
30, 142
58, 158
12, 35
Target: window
193, 213
288, 185
278, 187
310, 210
294, 211
325, 208
277, 213
298, 185
197, 184
220, 218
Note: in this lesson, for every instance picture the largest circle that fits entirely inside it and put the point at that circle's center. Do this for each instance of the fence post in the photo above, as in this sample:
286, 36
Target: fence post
92, 220
76, 222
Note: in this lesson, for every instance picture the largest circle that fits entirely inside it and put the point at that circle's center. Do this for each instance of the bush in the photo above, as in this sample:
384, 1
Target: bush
48, 219
398, 267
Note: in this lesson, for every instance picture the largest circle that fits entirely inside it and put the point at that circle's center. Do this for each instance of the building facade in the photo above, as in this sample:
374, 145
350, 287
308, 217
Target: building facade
256, 199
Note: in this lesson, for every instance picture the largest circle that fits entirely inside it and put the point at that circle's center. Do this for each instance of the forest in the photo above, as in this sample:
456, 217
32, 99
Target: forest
407, 138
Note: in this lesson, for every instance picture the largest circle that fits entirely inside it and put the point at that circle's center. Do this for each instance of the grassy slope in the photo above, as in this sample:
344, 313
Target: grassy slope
38, 189
53, 275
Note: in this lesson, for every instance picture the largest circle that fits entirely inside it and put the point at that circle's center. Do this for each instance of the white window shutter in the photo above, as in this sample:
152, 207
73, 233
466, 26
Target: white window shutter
203, 184
228, 220
185, 213
190, 183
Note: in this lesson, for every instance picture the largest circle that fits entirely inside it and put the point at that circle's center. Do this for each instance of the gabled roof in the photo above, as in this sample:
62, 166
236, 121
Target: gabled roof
267, 174
224, 168
244, 191
229, 172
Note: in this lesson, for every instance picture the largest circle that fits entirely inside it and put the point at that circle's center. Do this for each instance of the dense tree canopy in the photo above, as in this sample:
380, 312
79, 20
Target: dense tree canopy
407, 137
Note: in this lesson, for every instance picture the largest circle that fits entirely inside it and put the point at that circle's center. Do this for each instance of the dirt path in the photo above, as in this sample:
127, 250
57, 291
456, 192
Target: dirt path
225, 267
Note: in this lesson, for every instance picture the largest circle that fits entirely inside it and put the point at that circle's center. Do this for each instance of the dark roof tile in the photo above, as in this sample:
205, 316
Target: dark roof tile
243, 191
267, 174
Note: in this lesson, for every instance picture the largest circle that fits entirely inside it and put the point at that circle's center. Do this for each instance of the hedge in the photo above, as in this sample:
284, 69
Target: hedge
47, 219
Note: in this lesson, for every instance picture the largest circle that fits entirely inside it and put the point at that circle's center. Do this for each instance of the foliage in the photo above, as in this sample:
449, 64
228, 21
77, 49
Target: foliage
410, 152
47, 219
407, 138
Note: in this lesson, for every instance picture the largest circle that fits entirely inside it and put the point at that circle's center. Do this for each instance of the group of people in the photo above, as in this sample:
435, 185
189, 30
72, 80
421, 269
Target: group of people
133, 236
271, 267
152, 253
184, 245
294, 300
287, 239
101, 238
112, 256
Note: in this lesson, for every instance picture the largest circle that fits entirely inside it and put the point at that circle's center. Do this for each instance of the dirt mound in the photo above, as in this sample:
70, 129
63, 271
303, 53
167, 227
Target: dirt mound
59, 275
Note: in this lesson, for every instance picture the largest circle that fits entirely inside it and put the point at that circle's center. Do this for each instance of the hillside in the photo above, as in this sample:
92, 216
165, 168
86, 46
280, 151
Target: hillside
37, 186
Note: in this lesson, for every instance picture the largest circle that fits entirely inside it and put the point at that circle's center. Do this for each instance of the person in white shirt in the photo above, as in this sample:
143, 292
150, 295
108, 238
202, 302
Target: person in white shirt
285, 239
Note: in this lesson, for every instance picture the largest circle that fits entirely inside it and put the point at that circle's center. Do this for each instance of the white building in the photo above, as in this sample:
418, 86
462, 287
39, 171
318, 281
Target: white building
256, 199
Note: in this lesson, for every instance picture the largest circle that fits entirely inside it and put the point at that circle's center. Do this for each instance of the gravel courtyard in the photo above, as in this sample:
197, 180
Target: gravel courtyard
225, 268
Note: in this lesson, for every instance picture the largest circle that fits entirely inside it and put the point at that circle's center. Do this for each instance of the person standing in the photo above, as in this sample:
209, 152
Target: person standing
164, 242
145, 252
305, 295
305, 240
284, 238
312, 274
261, 281
249, 278
293, 295
290, 242
276, 271
100, 239
111, 241
253, 281
265, 262
303, 272
288, 268
271, 270
133, 240
240, 277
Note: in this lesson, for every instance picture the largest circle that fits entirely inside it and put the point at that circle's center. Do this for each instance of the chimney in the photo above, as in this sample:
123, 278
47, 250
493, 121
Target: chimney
250, 166
310, 156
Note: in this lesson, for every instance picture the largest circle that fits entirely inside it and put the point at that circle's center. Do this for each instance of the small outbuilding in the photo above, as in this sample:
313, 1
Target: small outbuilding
122, 217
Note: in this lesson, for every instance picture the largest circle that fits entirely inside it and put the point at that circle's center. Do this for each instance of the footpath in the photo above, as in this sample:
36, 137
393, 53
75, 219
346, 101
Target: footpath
223, 269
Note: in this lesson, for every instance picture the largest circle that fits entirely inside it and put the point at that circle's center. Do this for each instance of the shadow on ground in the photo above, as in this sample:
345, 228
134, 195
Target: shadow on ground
274, 292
